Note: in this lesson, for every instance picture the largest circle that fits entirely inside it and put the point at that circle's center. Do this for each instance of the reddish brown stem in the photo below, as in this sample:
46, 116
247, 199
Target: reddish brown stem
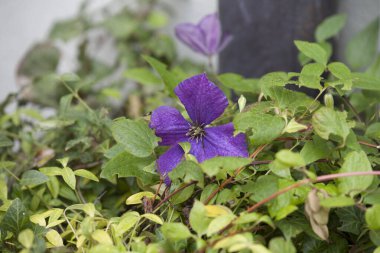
369, 144
301, 183
230, 179
308, 180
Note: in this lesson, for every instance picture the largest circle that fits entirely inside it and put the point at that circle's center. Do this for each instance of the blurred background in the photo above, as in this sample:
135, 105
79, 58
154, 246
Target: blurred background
23, 23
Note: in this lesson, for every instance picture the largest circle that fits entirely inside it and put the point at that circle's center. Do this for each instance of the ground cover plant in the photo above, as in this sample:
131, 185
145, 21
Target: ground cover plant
192, 160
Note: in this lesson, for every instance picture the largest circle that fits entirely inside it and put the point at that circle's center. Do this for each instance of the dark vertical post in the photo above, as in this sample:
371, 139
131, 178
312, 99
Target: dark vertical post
264, 31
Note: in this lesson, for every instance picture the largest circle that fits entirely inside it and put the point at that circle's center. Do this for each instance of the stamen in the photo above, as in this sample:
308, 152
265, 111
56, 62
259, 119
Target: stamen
196, 132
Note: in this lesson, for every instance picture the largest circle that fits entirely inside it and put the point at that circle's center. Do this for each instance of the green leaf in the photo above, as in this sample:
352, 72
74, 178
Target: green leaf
121, 26
86, 174
137, 197
327, 122
239, 83
67, 29
5, 141
157, 19
88, 208
41, 59
102, 237
314, 245
219, 223
33, 177
372, 217
136, 136
69, 177
188, 171
366, 81
342, 72
290, 158
126, 165
375, 238
51, 171
313, 51
330, 27
263, 187
373, 131
183, 195
54, 238
214, 165
271, 80
310, 75
315, 149
15, 219
26, 238
280, 245
264, 127
152, 217
292, 100
198, 219
175, 231
362, 48
351, 219
128, 220
354, 162
339, 201
170, 79
142, 75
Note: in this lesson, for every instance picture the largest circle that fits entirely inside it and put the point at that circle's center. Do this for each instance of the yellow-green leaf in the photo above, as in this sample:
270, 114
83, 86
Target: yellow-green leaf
86, 174
69, 177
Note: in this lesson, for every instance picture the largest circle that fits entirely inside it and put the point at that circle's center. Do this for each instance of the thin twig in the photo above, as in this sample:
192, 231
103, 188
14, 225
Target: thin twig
172, 194
87, 165
352, 108
299, 184
369, 144
309, 180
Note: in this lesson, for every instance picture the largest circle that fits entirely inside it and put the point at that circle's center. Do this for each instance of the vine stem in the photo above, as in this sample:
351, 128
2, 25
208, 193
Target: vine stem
172, 194
309, 180
76, 95
236, 173
301, 183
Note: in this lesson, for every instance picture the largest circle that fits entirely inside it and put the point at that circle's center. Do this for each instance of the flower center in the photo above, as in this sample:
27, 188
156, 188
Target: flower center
196, 132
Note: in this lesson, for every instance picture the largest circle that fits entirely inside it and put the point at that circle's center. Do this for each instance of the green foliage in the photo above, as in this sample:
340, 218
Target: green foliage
313, 51
363, 46
330, 27
84, 177
135, 136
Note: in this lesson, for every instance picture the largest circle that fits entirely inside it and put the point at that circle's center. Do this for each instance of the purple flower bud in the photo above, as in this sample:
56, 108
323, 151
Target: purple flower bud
205, 37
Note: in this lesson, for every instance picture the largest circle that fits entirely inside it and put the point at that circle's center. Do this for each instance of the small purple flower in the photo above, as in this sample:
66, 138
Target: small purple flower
205, 37
204, 102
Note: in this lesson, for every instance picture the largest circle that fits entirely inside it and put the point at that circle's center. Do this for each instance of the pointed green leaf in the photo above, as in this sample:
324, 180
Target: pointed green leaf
86, 174
136, 136
33, 177
69, 177
313, 51
353, 162
330, 27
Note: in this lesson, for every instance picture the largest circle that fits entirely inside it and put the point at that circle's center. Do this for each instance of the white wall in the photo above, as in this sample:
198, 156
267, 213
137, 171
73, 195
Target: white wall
23, 22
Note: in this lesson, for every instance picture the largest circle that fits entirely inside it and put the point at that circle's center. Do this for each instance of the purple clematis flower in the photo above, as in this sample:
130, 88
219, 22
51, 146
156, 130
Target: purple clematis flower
205, 37
204, 102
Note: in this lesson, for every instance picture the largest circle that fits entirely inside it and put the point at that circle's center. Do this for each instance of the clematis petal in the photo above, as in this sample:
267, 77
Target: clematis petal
219, 141
168, 161
192, 36
225, 41
211, 27
203, 100
169, 124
